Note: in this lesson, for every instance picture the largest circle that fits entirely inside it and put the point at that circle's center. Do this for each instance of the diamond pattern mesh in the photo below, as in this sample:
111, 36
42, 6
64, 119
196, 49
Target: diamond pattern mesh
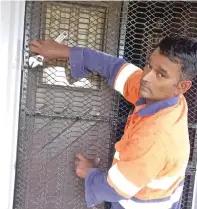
147, 24
60, 116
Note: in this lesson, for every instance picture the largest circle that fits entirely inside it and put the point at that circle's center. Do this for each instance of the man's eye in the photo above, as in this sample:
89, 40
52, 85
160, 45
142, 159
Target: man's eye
160, 75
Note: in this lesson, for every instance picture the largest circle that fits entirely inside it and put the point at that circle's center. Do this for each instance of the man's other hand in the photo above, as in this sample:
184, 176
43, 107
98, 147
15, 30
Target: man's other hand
83, 166
49, 49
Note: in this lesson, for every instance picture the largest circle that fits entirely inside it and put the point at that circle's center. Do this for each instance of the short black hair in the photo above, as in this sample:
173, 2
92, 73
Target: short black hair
181, 49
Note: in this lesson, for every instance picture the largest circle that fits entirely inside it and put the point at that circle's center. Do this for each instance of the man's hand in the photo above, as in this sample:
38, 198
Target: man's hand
83, 166
49, 49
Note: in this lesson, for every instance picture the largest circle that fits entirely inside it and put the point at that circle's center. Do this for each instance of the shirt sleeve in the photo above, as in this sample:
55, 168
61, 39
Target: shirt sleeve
139, 163
98, 190
122, 76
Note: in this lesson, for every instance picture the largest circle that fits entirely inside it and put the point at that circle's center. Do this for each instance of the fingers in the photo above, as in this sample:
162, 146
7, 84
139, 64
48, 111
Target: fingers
76, 163
80, 157
41, 41
34, 49
78, 168
36, 43
97, 161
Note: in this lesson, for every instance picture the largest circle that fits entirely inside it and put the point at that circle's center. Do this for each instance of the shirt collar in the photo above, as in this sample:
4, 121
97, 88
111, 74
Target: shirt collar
155, 107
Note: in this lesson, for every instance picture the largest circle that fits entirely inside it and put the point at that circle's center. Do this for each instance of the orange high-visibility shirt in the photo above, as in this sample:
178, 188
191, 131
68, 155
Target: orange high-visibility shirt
151, 157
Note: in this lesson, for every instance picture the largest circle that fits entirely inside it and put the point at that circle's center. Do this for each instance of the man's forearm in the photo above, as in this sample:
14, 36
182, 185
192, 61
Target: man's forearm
82, 60
85, 60
97, 189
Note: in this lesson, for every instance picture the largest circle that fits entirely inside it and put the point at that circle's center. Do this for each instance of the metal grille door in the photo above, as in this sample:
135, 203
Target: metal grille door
60, 116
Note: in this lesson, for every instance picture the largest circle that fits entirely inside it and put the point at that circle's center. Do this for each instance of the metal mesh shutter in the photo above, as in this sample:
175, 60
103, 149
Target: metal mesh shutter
60, 116
149, 22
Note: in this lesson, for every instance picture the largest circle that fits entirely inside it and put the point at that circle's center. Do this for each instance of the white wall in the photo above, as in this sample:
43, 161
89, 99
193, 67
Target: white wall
11, 32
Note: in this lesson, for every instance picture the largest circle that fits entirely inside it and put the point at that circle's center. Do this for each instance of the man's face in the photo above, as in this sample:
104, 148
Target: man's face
161, 78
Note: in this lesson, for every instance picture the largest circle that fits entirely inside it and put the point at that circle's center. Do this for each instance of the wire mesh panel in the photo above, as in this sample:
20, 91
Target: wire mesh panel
61, 116
86, 28
147, 23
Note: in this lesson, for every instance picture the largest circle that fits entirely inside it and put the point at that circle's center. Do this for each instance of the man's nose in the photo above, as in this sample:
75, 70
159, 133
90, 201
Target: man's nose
147, 77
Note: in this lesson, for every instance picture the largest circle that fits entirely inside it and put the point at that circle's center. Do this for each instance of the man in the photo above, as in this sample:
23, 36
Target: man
150, 160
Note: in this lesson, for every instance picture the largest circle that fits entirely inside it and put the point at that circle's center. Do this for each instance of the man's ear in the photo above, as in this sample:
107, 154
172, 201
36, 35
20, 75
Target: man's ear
183, 87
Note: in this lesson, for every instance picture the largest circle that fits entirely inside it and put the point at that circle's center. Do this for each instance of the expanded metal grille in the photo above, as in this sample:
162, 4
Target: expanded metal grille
147, 24
86, 27
61, 116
